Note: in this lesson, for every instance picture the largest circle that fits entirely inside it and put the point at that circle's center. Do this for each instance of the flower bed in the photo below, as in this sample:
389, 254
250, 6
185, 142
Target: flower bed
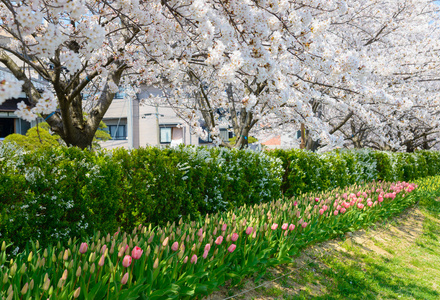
193, 258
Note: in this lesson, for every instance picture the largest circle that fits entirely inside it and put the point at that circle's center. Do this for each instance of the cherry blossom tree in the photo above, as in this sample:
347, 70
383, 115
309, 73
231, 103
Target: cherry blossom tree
250, 65
400, 40
76, 46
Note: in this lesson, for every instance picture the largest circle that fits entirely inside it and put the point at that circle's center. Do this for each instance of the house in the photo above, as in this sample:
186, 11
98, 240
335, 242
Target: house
151, 125
9, 122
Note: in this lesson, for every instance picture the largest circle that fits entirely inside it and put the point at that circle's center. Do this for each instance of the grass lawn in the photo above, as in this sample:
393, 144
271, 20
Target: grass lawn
399, 259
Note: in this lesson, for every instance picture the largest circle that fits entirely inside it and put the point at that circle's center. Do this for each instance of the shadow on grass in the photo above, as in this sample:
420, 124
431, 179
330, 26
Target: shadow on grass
352, 279
356, 276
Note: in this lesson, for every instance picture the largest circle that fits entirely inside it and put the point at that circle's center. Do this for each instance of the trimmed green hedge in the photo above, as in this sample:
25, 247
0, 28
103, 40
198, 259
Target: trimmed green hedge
54, 194
307, 171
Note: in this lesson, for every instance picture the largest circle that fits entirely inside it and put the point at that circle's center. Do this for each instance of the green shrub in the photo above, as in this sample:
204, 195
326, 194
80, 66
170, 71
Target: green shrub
308, 171
56, 193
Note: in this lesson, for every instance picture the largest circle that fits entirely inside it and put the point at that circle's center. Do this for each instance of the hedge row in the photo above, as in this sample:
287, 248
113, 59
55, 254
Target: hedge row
54, 194
62, 192
307, 171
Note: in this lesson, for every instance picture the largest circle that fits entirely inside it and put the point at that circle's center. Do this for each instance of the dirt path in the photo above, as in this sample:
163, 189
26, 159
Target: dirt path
386, 240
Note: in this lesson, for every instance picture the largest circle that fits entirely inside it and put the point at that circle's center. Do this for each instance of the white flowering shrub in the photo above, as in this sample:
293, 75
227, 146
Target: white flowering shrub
53, 194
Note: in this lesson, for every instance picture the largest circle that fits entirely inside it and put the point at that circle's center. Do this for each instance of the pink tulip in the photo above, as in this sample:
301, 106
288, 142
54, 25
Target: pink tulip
360, 205
205, 254
295, 203
194, 259
321, 211
249, 230
185, 260
137, 252
291, 227
124, 279
316, 199
83, 248
126, 262
380, 198
175, 246
358, 194
224, 226
304, 225
234, 237
103, 248
200, 232
232, 248
285, 226
274, 226
343, 210
207, 247
219, 240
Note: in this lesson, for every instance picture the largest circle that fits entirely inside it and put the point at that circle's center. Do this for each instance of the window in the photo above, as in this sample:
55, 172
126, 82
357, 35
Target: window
165, 135
117, 132
120, 94
298, 134
171, 134
225, 135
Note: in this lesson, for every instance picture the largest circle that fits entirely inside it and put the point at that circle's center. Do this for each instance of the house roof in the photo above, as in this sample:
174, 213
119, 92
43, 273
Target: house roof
11, 104
276, 141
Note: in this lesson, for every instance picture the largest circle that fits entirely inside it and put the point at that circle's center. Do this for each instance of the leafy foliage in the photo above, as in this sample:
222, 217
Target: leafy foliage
307, 171
54, 193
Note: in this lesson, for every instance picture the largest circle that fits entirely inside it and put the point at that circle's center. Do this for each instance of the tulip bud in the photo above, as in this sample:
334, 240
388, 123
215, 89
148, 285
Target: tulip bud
64, 276
92, 257
46, 277
86, 266
70, 266
69, 242
45, 253
92, 268
121, 251
76, 293
42, 262
60, 283
107, 239
23, 269
3, 246
78, 271
101, 260
46, 284
74, 249
31, 285
124, 279
37, 245
10, 292
165, 242
156, 263
13, 270
66, 255
54, 257
5, 277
